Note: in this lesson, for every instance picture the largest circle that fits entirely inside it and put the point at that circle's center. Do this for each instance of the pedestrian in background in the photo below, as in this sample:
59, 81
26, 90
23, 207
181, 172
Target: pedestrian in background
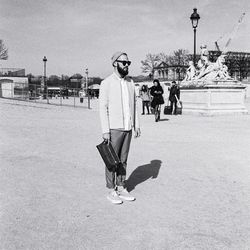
174, 97
119, 116
145, 98
157, 92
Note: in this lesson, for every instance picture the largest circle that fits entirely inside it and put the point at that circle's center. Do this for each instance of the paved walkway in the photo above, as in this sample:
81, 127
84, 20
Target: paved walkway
190, 175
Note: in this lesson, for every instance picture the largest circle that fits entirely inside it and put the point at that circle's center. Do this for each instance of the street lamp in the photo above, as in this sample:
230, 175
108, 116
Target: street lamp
195, 19
86, 75
45, 93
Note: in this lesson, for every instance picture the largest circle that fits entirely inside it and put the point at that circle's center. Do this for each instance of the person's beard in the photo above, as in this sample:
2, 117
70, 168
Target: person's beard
122, 71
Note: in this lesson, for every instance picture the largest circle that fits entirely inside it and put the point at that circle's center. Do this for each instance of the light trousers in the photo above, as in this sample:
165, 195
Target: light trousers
121, 143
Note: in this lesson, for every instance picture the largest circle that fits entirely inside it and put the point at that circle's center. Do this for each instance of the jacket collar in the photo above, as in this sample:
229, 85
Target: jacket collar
117, 77
126, 78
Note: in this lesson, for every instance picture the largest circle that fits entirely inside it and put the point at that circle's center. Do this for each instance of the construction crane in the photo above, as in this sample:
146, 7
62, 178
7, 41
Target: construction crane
232, 35
217, 45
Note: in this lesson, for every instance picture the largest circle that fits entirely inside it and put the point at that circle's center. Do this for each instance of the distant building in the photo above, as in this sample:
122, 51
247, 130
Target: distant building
12, 72
13, 83
170, 72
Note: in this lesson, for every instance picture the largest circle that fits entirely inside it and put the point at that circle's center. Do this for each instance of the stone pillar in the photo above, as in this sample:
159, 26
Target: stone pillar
156, 74
166, 74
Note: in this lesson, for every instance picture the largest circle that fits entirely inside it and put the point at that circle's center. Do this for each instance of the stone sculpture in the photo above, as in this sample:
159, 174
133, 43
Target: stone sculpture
190, 72
206, 72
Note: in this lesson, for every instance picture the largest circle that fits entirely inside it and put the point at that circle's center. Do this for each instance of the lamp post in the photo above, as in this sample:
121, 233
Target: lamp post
86, 80
45, 93
194, 20
87, 91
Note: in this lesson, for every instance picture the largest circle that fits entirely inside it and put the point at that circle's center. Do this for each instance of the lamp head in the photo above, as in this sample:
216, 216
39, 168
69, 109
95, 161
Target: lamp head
195, 18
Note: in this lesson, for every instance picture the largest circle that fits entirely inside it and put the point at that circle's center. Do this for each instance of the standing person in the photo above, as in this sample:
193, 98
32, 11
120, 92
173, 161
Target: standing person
145, 98
118, 113
157, 91
173, 94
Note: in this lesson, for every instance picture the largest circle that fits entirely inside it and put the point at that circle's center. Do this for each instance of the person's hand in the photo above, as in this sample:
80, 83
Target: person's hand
137, 132
106, 137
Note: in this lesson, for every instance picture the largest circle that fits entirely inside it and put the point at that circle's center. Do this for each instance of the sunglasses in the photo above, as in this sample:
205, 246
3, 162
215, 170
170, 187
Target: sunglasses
124, 62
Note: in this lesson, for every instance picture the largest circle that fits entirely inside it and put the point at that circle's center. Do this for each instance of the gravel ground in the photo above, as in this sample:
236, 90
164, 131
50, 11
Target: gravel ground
190, 175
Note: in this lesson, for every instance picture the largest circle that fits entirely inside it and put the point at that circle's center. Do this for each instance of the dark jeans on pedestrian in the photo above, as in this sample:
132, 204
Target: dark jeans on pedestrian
145, 104
173, 105
121, 142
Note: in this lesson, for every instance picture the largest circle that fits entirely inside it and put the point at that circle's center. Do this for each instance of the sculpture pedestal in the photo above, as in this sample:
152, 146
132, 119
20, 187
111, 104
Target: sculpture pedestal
215, 99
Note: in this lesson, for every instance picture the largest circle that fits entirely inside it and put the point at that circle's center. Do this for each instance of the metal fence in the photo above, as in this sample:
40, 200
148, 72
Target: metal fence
75, 97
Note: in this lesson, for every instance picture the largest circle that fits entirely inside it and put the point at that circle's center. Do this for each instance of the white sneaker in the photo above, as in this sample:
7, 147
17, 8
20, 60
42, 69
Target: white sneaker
114, 198
124, 194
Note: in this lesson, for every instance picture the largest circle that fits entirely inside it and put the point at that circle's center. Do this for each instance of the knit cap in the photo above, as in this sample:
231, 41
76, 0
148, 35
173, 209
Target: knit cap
116, 56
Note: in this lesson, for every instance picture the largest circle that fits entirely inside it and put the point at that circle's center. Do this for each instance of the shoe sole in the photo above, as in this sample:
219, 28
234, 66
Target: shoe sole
115, 202
126, 199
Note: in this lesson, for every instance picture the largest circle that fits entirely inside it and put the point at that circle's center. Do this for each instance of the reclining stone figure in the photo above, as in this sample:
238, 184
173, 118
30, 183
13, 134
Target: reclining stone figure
214, 71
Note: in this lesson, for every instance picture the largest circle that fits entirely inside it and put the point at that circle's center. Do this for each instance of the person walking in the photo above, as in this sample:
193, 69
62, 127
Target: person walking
174, 94
145, 98
157, 91
118, 114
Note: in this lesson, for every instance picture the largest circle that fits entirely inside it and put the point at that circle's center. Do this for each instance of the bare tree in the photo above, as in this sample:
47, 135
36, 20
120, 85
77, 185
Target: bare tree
166, 58
180, 60
180, 57
149, 64
3, 51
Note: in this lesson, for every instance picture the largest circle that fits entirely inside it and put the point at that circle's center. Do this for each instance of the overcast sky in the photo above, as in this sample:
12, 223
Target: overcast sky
79, 34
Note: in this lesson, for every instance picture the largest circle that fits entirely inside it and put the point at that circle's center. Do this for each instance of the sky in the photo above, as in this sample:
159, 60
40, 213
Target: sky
79, 34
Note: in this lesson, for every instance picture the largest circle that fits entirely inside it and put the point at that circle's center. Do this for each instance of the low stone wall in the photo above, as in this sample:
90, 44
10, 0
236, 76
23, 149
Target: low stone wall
214, 99
247, 90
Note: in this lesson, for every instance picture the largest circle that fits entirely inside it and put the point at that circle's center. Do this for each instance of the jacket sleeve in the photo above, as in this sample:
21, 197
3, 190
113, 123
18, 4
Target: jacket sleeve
152, 91
162, 91
136, 115
178, 93
137, 121
103, 107
171, 92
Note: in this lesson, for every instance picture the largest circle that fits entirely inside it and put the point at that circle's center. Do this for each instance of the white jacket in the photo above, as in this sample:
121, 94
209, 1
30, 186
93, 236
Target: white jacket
110, 103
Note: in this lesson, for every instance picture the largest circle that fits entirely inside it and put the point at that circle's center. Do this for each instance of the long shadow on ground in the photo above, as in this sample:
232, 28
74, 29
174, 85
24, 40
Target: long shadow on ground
143, 173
